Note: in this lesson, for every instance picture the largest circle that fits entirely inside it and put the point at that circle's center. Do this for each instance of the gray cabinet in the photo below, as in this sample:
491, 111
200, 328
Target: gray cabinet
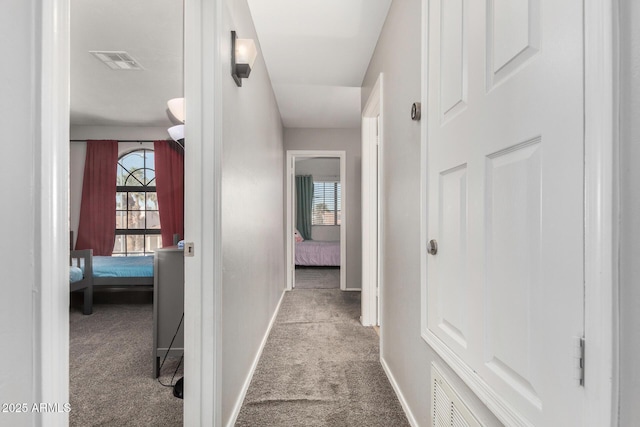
168, 304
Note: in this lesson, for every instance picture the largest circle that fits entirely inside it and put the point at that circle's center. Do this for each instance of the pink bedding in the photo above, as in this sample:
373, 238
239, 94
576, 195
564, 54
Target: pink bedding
317, 253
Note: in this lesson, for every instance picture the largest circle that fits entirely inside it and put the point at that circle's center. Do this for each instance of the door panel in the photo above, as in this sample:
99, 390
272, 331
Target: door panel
512, 253
505, 181
513, 36
451, 316
453, 58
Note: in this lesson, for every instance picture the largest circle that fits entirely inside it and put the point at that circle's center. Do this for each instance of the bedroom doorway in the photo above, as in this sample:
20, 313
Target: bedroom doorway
320, 238
140, 94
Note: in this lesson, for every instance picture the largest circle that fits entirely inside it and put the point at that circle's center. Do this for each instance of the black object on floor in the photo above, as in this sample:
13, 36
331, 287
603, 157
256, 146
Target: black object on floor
178, 388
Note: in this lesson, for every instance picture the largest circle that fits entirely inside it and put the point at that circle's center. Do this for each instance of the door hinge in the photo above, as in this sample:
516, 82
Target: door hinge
579, 365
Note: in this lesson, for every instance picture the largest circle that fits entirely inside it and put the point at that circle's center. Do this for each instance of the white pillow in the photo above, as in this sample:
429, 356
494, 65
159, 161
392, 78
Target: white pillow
298, 236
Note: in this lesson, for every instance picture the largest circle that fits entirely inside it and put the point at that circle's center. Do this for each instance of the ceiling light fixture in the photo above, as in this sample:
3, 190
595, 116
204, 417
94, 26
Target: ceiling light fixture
176, 107
243, 55
177, 134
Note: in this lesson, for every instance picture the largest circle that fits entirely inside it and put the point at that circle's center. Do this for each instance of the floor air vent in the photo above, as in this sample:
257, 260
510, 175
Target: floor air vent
448, 408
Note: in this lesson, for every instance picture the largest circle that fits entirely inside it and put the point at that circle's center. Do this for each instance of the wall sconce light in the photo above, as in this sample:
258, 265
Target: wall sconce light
243, 55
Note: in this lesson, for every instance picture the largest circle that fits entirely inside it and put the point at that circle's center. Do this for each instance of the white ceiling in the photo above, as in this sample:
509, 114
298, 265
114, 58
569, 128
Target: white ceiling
151, 32
316, 52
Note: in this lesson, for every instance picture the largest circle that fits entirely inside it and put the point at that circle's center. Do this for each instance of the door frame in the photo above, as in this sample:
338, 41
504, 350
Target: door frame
206, 40
599, 214
290, 166
51, 154
371, 213
203, 280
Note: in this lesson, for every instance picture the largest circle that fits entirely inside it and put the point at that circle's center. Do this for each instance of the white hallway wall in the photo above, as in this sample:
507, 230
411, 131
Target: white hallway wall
19, 380
347, 140
629, 157
253, 246
407, 355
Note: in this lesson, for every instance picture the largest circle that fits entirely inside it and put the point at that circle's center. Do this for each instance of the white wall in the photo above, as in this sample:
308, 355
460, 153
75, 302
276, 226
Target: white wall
18, 175
325, 233
77, 155
253, 247
78, 151
118, 132
321, 168
347, 140
629, 158
408, 357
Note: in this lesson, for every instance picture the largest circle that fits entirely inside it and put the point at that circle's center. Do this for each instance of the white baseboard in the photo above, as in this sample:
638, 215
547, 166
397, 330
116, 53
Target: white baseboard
396, 388
352, 289
247, 382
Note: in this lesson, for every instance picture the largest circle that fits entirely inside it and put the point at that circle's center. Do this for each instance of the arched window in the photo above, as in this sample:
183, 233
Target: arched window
137, 217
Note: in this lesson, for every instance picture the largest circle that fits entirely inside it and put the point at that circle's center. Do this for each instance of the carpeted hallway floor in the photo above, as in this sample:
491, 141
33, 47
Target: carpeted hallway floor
320, 367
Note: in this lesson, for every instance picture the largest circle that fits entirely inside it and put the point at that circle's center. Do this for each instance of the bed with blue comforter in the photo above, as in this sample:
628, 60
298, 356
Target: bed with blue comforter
122, 271
108, 272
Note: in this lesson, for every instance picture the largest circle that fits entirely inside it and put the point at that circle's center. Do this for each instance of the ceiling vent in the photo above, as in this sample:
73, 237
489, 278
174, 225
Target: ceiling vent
117, 60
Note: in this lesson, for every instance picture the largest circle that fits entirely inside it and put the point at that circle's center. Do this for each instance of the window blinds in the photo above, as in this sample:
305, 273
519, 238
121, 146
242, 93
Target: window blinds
326, 203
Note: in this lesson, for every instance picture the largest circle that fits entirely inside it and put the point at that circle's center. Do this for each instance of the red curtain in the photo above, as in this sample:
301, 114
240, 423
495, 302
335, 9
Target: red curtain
169, 163
98, 208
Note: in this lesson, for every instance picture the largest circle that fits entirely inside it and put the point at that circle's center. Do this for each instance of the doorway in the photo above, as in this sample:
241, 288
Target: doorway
327, 217
140, 95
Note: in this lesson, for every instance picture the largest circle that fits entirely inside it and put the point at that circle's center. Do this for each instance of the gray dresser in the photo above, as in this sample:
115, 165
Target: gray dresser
168, 304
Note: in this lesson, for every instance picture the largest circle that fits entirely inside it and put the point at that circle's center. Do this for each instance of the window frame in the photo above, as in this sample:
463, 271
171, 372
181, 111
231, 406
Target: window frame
143, 188
337, 205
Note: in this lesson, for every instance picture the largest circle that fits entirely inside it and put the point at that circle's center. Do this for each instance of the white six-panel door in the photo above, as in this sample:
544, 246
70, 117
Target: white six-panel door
504, 296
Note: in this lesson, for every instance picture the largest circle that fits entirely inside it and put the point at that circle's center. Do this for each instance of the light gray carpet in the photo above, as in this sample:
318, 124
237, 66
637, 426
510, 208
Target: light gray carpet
320, 367
110, 371
317, 278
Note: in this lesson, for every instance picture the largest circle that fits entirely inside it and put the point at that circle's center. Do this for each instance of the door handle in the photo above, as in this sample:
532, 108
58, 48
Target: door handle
433, 247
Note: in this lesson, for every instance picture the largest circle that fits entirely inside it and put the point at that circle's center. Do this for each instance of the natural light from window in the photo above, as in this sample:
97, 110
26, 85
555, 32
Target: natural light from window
326, 203
137, 216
